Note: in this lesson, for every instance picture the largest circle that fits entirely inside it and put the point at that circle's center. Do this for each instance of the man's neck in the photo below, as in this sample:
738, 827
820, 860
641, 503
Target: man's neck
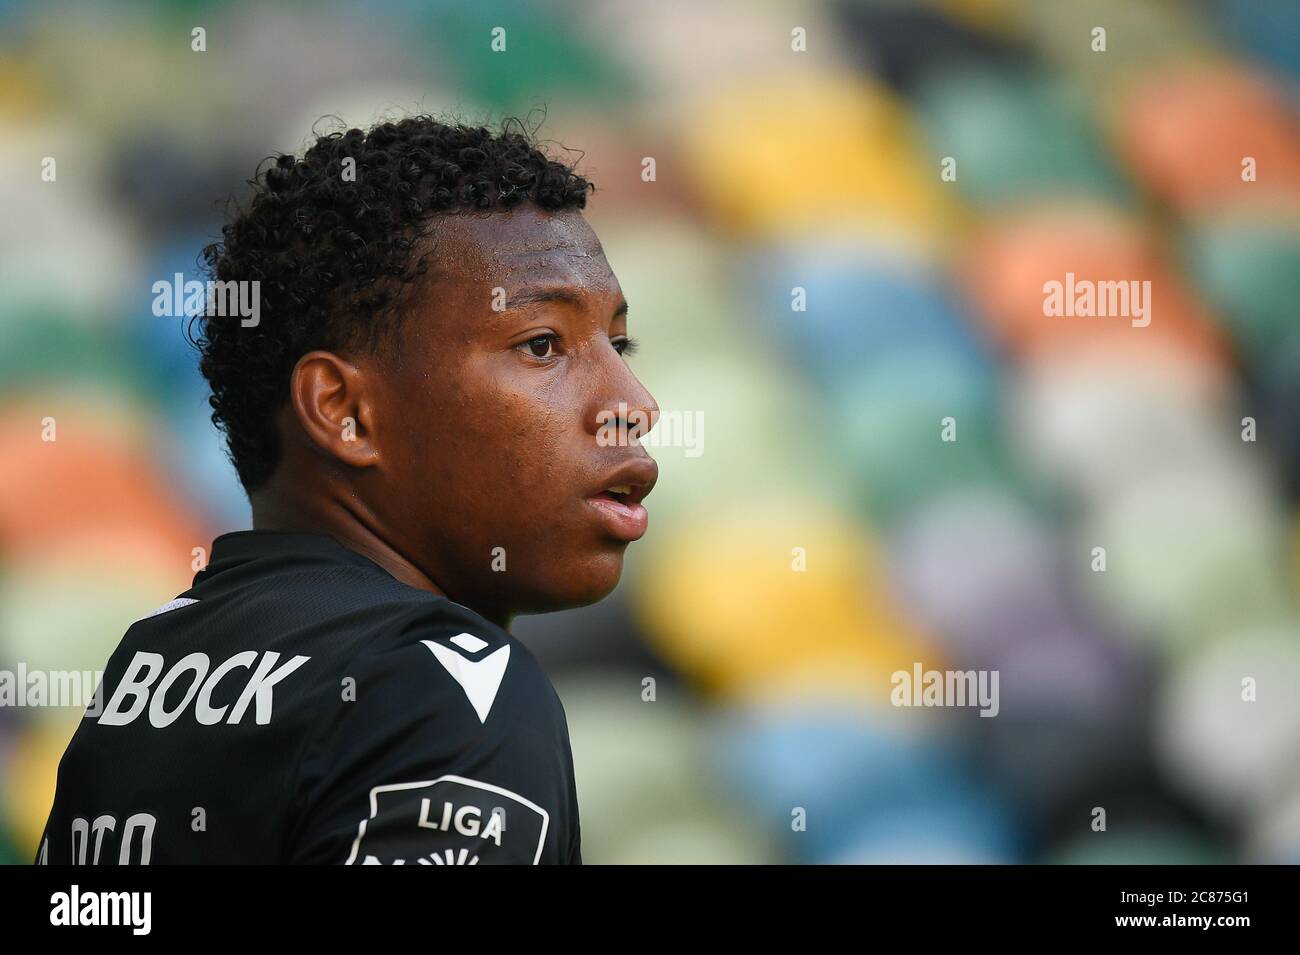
356, 531
345, 518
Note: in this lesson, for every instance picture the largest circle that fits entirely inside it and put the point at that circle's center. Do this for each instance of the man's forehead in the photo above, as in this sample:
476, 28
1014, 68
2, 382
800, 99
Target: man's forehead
525, 251
519, 236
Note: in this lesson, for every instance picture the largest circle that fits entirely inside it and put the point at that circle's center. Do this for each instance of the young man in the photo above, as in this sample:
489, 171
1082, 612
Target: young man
421, 416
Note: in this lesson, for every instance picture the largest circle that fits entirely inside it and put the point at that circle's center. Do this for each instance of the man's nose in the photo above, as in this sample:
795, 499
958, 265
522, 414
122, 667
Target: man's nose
643, 407
627, 405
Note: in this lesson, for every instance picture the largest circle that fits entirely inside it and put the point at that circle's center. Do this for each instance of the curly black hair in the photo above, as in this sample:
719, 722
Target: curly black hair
333, 253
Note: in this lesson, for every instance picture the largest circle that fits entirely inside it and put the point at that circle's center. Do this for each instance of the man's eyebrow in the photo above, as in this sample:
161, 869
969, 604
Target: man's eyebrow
544, 296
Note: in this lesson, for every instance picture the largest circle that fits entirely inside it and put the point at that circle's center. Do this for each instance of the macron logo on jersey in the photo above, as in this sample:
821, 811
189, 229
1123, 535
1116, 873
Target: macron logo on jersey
480, 679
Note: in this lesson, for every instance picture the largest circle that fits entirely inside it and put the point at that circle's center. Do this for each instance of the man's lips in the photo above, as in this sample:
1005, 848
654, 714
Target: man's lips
618, 502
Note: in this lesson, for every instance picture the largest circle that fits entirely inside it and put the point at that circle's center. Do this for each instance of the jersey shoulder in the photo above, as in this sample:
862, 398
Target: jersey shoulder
442, 712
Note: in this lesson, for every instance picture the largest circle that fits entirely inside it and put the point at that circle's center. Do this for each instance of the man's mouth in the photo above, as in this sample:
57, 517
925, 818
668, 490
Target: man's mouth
627, 494
619, 503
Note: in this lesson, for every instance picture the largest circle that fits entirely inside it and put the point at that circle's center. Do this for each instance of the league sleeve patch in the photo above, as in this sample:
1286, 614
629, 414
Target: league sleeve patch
450, 820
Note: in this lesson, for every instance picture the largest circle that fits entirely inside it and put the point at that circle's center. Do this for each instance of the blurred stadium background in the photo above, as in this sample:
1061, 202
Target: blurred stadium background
775, 169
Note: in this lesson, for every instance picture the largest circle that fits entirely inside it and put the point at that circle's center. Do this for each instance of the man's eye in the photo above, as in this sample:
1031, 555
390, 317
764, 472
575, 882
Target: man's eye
625, 346
539, 347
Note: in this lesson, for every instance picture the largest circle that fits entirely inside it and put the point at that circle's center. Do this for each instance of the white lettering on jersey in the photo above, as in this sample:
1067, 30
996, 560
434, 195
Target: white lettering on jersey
132, 685
198, 662
480, 679
260, 685
143, 671
105, 824
453, 818
98, 827
203, 711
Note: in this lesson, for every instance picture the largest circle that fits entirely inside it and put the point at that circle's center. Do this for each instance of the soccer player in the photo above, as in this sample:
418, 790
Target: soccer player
437, 429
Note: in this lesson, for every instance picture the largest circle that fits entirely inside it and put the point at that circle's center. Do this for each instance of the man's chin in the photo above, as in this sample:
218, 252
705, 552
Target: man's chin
589, 581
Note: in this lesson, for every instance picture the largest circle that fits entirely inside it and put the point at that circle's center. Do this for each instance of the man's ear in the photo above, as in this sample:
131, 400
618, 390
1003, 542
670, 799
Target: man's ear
335, 408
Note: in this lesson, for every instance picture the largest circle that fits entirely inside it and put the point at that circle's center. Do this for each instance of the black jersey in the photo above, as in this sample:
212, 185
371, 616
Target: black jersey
299, 704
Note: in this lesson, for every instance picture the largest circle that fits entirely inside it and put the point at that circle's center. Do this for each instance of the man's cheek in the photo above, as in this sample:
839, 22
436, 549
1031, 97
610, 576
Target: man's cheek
532, 433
